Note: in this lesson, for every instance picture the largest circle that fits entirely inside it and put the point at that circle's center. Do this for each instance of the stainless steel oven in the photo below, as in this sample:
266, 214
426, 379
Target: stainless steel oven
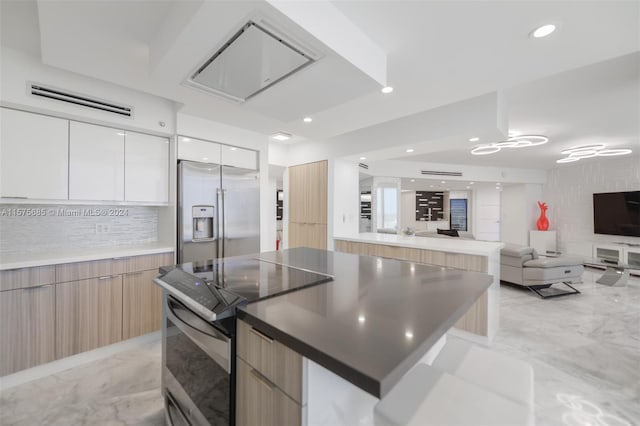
198, 361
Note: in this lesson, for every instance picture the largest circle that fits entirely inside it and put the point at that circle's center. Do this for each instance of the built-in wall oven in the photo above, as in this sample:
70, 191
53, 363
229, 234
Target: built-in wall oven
197, 368
198, 334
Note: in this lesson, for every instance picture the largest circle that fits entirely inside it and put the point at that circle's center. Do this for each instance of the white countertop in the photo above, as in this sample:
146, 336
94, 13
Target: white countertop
80, 255
446, 244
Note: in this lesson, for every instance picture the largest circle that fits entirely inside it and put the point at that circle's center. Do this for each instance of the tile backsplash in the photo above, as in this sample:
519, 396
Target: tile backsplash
36, 228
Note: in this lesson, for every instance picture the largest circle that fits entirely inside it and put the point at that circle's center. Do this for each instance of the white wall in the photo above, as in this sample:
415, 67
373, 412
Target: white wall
18, 68
519, 212
569, 194
346, 198
200, 128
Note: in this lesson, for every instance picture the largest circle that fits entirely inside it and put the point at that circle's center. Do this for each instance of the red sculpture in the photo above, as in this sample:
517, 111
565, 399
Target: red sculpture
543, 222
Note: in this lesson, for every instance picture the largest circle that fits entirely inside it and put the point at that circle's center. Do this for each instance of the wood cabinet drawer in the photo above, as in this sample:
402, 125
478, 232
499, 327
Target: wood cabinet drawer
148, 261
93, 269
12, 279
279, 364
260, 402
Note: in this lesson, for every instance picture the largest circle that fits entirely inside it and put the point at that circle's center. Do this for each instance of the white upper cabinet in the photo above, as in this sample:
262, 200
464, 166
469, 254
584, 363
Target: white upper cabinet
146, 168
198, 150
239, 157
96, 162
33, 155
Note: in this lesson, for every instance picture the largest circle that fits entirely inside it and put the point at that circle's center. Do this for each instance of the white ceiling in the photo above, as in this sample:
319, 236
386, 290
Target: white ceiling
438, 53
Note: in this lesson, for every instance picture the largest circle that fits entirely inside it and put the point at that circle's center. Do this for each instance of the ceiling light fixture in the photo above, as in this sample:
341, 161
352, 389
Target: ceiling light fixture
413, 180
410, 150
521, 141
387, 89
543, 31
474, 139
443, 181
589, 151
281, 136
307, 119
363, 158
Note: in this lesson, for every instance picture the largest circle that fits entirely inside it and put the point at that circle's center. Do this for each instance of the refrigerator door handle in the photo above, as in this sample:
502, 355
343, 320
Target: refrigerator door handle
224, 236
219, 233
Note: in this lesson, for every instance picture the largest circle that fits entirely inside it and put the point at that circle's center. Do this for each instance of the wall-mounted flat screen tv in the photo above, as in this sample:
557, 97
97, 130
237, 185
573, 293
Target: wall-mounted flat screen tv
617, 213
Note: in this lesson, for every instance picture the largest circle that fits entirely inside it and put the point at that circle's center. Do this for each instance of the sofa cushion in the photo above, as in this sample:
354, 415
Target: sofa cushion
552, 262
515, 250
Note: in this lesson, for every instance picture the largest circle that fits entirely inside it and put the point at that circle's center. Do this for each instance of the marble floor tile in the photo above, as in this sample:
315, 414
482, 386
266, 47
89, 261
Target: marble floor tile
584, 349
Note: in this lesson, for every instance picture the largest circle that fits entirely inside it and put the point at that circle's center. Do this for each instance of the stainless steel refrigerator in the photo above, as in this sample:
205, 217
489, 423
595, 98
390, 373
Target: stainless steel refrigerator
218, 211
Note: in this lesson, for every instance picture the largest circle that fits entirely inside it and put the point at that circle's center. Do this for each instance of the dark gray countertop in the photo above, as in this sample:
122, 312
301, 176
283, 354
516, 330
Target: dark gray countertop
374, 321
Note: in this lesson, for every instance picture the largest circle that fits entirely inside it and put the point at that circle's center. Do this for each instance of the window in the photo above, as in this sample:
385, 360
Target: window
387, 207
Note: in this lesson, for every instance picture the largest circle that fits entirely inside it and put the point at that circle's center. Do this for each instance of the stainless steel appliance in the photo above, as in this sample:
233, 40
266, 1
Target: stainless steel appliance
200, 301
218, 211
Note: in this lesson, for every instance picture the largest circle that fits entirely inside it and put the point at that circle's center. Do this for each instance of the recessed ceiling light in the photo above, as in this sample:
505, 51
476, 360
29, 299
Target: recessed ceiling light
120, 134
307, 119
363, 158
361, 319
408, 334
410, 150
543, 31
413, 180
387, 89
430, 186
475, 139
281, 136
471, 183
205, 158
186, 140
233, 148
443, 181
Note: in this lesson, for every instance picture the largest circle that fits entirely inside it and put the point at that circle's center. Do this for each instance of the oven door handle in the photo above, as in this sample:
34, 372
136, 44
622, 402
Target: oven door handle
204, 335
173, 407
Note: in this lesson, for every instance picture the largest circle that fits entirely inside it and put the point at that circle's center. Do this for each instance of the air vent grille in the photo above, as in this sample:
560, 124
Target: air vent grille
79, 99
439, 173
364, 166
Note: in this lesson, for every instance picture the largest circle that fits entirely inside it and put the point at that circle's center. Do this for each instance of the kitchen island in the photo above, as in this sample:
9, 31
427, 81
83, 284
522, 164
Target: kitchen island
355, 336
481, 321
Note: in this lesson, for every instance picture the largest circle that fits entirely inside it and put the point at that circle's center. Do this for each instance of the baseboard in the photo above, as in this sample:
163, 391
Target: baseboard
59, 365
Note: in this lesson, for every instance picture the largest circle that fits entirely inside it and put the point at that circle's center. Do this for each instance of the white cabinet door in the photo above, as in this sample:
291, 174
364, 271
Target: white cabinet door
146, 168
198, 150
33, 155
96, 162
239, 157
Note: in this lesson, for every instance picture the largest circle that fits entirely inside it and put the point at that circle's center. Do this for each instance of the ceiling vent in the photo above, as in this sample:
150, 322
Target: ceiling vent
364, 166
78, 99
438, 173
253, 60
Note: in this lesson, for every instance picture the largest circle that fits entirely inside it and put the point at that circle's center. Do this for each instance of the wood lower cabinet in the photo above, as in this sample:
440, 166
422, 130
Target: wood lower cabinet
27, 319
261, 402
88, 314
141, 304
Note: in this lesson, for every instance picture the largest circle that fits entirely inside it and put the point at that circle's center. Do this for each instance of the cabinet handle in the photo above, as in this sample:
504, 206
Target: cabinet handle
260, 335
135, 273
118, 258
265, 382
36, 287
106, 277
19, 198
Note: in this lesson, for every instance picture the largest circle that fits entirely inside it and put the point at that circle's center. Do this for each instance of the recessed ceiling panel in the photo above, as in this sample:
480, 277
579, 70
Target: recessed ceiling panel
251, 61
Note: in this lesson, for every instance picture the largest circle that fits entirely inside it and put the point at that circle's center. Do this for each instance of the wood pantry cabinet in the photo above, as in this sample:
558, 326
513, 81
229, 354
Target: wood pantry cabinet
269, 381
53, 311
308, 205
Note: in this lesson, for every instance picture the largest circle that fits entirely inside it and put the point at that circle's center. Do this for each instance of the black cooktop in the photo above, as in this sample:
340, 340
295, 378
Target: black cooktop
214, 288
